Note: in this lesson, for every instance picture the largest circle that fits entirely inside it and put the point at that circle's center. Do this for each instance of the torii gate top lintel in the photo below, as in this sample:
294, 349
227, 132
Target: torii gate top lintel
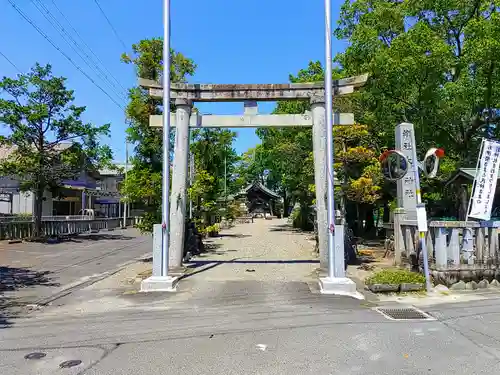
256, 92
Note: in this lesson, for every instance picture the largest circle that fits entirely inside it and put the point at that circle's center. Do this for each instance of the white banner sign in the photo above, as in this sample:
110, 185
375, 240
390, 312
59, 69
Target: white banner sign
486, 181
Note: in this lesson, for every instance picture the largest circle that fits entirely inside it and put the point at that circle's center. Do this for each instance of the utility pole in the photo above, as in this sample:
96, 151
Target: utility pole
125, 204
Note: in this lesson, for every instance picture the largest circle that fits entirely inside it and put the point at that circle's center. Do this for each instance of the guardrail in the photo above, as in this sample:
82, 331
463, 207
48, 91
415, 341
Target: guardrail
18, 230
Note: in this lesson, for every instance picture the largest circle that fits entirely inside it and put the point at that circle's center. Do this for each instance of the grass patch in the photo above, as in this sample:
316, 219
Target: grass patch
395, 276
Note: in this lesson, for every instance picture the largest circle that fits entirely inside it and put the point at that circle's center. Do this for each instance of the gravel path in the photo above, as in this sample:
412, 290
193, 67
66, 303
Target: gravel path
265, 250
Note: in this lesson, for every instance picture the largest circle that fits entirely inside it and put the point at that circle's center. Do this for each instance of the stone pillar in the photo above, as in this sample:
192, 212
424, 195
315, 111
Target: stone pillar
320, 178
399, 242
178, 196
406, 187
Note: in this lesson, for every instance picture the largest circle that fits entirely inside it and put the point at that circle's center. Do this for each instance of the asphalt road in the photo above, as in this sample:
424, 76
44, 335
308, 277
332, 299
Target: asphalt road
255, 328
223, 321
32, 272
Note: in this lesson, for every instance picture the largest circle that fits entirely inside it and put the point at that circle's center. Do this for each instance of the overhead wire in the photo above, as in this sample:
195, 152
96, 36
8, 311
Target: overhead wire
45, 36
86, 45
54, 22
10, 61
119, 39
110, 25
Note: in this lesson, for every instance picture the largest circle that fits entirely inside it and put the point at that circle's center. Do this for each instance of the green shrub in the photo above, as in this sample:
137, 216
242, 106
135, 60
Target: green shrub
213, 228
395, 276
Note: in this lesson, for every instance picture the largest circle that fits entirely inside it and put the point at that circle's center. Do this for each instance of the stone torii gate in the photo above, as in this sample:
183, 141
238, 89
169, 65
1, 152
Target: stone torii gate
184, 118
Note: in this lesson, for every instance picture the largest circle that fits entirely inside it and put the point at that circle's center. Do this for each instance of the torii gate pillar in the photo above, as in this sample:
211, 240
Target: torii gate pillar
178, 197
320, 177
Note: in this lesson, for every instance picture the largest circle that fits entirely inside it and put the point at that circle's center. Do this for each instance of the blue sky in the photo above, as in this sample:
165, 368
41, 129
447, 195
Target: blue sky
231, 41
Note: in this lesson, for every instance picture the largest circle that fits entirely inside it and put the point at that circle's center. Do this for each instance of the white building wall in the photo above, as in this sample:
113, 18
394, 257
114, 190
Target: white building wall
5, 207
23, 204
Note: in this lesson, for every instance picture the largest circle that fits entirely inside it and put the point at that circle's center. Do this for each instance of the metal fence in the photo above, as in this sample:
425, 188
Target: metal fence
18, 230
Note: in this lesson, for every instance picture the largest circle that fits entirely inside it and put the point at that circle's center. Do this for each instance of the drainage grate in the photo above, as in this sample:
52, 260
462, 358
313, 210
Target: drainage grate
405, 313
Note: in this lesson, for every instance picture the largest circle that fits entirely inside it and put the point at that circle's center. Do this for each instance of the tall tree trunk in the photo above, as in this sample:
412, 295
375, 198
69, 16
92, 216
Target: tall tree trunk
369, 221
38, 212
359, 220
387, 212
286, 205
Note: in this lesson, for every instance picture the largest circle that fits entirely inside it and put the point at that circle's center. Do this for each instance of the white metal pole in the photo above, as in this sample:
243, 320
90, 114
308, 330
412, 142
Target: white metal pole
125, 204
423, 244
225, 178
467, 246
474, 182
166, 139
191, 180
330, 202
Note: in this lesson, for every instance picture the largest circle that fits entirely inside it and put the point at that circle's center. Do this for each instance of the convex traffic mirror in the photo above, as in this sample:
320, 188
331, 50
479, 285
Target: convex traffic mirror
394, 165
430, 164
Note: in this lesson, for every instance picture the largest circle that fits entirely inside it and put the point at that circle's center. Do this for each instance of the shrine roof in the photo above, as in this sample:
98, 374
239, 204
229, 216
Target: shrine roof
259, 186
467, 174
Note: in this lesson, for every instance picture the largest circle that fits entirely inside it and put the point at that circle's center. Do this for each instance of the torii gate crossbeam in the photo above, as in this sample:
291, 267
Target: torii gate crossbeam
169, 249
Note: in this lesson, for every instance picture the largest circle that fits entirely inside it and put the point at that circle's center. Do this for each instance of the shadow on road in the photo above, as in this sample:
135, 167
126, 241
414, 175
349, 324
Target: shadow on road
100, 237
288, 228
234, 235
13, 279
214, 263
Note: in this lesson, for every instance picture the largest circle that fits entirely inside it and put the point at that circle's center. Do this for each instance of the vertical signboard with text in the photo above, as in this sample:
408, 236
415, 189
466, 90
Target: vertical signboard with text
485, 181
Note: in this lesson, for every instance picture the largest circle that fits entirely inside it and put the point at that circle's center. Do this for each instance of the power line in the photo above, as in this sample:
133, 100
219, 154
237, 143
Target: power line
27, 19
86, 45
10, 62
46, 13
111, 25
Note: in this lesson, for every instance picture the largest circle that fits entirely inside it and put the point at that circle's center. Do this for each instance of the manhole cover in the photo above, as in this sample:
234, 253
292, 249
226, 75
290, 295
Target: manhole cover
35, 355
72, 363
404, 313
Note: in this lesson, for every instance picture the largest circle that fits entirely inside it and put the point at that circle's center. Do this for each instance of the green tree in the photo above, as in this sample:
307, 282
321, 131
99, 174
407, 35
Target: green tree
48, 142
358, 172
143, 185
251, 166
432, 63
288, 153
215, 161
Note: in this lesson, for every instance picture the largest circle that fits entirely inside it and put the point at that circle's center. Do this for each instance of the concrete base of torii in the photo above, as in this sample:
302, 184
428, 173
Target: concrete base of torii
341, 286
159, 284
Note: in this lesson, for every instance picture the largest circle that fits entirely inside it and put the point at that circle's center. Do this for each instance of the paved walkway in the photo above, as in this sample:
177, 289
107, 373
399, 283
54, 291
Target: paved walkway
266, 261
265, 250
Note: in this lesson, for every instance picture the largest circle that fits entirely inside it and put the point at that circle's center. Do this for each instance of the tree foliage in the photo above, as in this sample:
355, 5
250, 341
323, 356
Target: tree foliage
212, 148
214, 179
432, 63
143, 184
48, 142
288, 154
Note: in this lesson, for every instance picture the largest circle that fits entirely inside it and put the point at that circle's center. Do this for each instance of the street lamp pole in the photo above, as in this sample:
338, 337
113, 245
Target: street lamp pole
330, 203
160, 281
166, 139
336, 282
